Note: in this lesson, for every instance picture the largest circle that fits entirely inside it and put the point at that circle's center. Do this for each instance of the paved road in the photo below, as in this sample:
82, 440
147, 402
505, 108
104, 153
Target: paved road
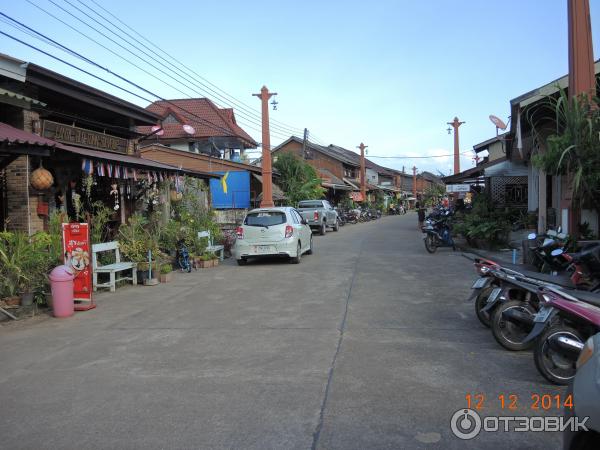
368, 343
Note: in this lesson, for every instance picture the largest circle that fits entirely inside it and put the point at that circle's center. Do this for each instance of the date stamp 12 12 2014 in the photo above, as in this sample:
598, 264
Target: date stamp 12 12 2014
514, 402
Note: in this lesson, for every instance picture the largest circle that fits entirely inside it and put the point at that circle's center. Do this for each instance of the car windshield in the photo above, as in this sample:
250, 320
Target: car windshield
311, 204
265, 218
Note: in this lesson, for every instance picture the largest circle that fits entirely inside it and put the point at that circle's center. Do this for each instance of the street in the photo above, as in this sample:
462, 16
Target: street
368, 343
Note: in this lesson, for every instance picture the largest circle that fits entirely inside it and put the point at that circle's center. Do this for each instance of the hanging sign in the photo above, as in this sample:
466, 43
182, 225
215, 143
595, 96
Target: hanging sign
458, 188
76, 251
85, 138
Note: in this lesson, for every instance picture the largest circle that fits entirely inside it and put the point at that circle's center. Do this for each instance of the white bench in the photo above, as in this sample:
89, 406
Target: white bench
111, 269
220, 249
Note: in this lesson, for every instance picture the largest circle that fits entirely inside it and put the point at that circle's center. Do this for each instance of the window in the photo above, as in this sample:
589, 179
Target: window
170, 119
310, 204
294, 217
265, 218
298, 216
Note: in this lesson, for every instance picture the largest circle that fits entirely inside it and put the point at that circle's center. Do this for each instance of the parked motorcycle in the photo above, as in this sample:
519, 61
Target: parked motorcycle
183, 257
437, 232
561, 327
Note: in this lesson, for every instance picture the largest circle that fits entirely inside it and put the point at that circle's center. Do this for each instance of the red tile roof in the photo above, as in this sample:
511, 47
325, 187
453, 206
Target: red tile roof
12, 135
203, 115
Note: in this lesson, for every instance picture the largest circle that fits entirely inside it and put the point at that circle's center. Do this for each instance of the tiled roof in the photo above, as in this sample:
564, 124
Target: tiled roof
328, 177
203, 115
12, 135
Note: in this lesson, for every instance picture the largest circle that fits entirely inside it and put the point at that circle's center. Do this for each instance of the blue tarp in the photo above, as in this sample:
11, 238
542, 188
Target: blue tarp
231, 191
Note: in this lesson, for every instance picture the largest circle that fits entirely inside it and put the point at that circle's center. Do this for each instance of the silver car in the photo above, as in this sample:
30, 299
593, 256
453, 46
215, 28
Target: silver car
273, 232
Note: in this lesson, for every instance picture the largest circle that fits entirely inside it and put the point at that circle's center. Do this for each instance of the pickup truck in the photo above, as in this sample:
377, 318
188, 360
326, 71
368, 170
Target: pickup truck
319, 214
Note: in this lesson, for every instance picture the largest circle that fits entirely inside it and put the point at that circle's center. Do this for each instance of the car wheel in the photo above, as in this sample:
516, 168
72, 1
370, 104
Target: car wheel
242, 262
336, 227
310, 249
323, 229
296, 259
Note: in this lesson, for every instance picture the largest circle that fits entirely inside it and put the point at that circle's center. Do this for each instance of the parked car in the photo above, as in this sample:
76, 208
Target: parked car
585, 391
319, 214
273, 232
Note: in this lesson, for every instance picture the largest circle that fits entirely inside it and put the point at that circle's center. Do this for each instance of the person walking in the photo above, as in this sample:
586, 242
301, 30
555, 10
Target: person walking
420, 213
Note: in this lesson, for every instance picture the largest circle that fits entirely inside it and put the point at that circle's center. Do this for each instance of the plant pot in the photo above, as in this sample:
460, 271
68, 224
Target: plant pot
27, 299
48, 296
215, 262
142, 275
166, 277
15, 300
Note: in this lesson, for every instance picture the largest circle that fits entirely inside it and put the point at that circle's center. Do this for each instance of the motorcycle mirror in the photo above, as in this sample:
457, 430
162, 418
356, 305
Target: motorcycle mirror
557, 251
531, 236
559, 229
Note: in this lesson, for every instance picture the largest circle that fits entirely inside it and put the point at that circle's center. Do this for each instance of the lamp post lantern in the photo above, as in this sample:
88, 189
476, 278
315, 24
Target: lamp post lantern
455, 124
267, 171
363, 181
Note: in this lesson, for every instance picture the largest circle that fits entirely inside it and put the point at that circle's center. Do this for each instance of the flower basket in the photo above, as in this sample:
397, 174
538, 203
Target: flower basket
166, 277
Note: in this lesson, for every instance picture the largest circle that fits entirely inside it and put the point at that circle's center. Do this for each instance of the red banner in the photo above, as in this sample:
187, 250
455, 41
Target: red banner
356, 196
76, 248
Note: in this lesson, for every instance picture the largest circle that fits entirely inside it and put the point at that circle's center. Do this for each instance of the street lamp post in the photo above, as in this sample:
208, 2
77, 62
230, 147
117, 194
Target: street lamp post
415, 182
363, 181
455, 124
267, 171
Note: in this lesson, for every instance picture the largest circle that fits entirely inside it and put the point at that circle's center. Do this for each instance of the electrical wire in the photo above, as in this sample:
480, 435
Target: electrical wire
418, 157
234, 100
74, 53
251, 121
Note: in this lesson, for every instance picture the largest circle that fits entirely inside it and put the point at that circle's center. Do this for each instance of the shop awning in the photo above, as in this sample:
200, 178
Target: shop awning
13, 97
131, 161
351, 184
15, 142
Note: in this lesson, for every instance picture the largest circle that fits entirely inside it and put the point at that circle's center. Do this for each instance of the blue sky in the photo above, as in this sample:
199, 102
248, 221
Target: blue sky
387, 73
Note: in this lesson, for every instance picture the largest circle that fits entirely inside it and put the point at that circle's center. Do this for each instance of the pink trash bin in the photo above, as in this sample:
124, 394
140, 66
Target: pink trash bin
61, 282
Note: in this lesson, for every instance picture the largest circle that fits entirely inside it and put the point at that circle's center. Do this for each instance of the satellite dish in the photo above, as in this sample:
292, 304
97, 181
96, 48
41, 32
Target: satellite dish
498, 122
189, 129
157, 130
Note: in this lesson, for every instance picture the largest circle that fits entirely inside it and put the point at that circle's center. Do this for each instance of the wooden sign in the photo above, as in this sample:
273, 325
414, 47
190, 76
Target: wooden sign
86, 138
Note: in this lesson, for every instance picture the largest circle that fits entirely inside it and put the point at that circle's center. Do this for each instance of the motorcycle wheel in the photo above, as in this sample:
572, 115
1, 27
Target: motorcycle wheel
480, 302
508, 334
555, 366
430, 244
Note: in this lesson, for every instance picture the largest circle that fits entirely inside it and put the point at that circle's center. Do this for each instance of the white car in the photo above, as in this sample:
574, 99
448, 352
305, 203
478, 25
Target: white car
273, 232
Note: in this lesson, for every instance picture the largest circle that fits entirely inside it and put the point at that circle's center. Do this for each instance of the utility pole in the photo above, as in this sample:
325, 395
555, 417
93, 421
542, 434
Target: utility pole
267, 171
455, 124
582, 80
415, 182
363, 180
304, 143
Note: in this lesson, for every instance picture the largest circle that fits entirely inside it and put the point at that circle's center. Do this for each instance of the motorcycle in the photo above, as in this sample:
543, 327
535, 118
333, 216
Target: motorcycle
183, 257
437, 233
561, 327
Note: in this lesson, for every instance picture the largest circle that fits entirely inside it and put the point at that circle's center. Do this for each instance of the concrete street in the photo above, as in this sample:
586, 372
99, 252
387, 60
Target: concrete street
366, 344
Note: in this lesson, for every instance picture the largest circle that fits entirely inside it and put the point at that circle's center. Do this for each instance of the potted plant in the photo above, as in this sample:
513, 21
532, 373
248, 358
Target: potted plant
166, 273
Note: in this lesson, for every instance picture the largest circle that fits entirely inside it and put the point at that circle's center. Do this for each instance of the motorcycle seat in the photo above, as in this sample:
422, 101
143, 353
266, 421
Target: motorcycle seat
559, 280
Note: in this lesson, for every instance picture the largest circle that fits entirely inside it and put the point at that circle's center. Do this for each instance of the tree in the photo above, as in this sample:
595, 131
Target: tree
298, 179
574, 148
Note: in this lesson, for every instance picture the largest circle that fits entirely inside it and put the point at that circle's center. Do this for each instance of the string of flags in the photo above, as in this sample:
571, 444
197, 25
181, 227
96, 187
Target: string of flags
89, 167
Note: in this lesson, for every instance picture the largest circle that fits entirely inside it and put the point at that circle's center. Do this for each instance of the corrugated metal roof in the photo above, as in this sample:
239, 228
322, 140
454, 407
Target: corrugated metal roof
11, 135
11, 94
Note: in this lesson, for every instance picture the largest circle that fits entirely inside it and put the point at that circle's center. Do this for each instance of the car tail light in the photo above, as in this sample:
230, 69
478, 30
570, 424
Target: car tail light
239, 231
289, 231
316, 215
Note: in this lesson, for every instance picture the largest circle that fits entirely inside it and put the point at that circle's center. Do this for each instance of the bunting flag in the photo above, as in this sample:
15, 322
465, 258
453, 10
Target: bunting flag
110, 170
160, 176
155, 177
87, 165
125, 173
149, 176
134, 174
100, 169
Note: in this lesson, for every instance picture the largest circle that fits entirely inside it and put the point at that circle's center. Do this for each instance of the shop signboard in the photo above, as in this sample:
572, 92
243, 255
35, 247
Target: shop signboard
232, 190
458, 188
85, 138
76, 251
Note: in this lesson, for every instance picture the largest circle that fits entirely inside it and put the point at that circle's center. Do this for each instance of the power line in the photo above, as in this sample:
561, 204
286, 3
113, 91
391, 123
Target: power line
118, 55
68, 50
250, 121
234, 100
418, 157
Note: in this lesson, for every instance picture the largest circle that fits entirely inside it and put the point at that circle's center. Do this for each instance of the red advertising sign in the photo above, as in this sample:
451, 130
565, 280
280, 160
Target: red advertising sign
76, 248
